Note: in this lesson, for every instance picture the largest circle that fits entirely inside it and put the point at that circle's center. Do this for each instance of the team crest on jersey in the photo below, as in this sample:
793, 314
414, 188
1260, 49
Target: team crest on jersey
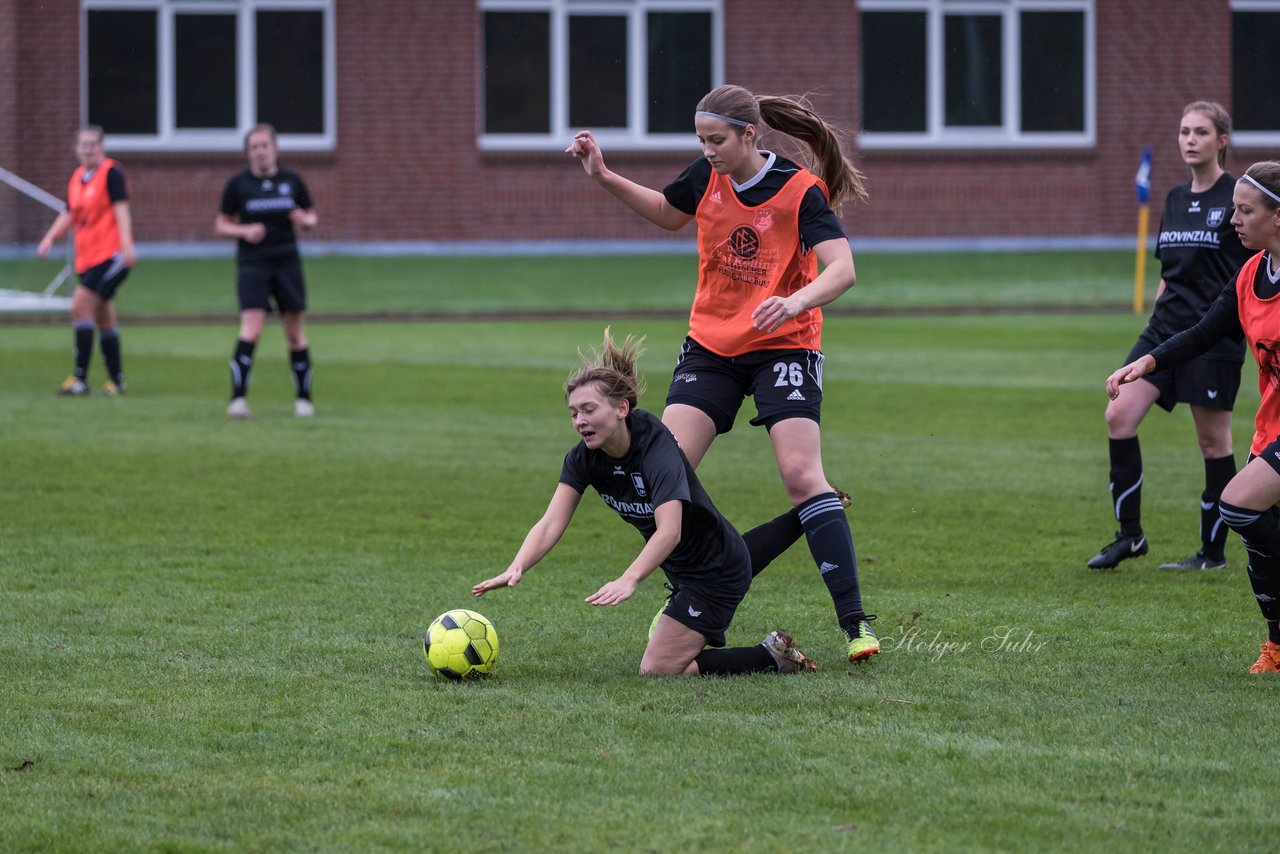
1215, 217
1268, 355
764, 219
639, 483
284, 188
744, 241
266, 183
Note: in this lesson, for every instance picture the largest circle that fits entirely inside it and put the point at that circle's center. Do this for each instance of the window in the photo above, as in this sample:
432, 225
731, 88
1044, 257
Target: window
1255, 62
182, 75
632, 71
951, 73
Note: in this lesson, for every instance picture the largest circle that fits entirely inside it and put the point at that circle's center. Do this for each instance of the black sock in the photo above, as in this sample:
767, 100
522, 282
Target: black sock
826, 527
738, 659
300, 361
242, 367
84, 349
1264, 578
109, 341
1213, 531
1126, 484
1260, 532
765, 542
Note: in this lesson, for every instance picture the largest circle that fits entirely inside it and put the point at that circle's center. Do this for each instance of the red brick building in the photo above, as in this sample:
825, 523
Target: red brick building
445, 120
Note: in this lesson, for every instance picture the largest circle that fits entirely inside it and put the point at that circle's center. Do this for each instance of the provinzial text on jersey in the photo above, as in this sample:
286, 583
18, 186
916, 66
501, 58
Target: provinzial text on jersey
1195, 237
274, 203
628, 508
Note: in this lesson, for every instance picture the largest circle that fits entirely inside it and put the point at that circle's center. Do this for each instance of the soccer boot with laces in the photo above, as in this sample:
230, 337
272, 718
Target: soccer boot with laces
1124, 546
238, 409
1197, 561
302, 408
112, 389
72, 387
785, 655
1269, 660
864, 643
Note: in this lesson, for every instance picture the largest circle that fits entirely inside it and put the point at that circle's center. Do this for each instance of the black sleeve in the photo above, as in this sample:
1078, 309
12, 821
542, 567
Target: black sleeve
663, 468
302, 197
1220, 321
230, 199
575, 472
686, 191
817, 221
117, 186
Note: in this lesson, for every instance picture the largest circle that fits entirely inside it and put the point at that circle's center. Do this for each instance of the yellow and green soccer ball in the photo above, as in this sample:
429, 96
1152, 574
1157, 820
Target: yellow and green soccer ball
461, 645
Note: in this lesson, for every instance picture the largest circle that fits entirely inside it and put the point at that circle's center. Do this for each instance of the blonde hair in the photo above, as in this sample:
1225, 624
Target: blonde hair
1221, 119
1266, 173
612, 368
795, 117
260, 127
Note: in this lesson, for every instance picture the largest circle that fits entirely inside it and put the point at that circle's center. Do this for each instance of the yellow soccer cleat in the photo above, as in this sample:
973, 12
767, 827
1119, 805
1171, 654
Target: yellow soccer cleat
864, 644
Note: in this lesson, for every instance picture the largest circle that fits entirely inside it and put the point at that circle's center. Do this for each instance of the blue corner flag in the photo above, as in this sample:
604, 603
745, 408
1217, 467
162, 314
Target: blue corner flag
1143, 179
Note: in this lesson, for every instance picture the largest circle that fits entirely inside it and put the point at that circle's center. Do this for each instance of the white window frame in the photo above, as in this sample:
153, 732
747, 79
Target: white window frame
633, 136
1255, 138
170, 138
1009, 134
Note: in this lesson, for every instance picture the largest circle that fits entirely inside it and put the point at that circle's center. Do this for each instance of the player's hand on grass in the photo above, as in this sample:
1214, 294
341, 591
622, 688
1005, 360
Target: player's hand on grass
615, 592
510, 578
771, 313
1130, 372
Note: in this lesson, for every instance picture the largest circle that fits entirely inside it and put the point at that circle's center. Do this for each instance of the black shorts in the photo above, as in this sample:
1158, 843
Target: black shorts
1203, 381
106, 278
258, 285
785, 384
1271, 454
707, 605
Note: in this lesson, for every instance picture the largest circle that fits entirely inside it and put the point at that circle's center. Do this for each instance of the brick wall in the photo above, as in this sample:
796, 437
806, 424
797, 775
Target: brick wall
406, 166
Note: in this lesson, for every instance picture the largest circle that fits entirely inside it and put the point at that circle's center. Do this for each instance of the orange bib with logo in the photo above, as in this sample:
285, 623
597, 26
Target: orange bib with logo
746, 255
92, 215
1260, 320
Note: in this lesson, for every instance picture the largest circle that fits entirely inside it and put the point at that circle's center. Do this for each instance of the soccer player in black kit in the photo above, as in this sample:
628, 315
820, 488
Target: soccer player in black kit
1199, 254
632, 460
261, 207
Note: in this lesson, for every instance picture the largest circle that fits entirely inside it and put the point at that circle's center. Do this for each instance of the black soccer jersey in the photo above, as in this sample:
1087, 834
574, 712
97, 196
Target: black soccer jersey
653, 472
1199, 254
817, 221
268, 201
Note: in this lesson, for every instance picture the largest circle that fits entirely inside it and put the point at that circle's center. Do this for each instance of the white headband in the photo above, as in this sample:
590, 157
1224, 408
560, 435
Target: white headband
1273, 196
738, 122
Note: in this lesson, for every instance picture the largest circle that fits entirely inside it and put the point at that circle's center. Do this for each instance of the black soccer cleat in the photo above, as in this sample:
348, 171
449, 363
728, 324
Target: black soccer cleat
1124, 547
1197, 561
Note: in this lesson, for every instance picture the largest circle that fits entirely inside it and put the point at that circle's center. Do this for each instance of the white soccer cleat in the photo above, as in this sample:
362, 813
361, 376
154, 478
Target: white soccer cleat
785, 655
303, 408
238, 409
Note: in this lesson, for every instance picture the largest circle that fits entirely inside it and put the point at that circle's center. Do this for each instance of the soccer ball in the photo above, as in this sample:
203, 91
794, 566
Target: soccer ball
461, 645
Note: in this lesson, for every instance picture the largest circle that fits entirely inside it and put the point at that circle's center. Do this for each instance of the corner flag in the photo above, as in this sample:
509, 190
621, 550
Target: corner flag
1142, 183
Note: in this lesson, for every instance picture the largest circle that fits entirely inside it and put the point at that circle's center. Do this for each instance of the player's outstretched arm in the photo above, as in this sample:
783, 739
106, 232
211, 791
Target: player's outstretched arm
1130, 372
667, 517
541, 538
647, 202
61, 225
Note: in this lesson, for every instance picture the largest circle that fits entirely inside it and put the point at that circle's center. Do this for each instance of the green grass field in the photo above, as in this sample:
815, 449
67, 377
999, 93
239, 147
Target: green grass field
211, 631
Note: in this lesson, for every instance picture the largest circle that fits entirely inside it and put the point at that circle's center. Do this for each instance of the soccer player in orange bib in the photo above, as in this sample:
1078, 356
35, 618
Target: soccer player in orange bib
98, 210
1248, 308
764, 224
